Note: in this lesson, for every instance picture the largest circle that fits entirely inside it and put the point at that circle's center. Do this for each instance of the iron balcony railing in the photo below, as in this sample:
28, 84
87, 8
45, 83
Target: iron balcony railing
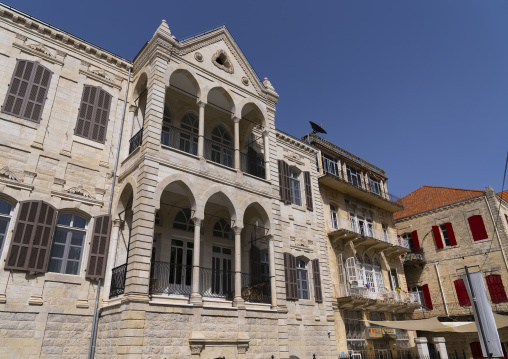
414, 256
169, 278
252, 165
179, 139
118, 280
256, 288
217, 283
218, 153
377, 293
135, 141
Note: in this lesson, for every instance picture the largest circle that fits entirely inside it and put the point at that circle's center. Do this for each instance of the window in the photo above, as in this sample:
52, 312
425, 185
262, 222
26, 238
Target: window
68, 243
354, 176
222, 150
378, 276
264, 261
93, 116
477, 227
222, 229
334, 218
294, 185
394, 279
406, 237
5, 218
424, 294
27, 91
330, 165
375, 185
418, 289
188, 136
360, 271
361, 225
385, 233
183, 220
496, 288
444, 235
302, 278
462, 296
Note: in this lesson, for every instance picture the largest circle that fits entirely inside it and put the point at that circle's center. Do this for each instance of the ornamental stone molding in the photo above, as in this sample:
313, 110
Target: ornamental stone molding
6, 173
79, 191
221, 59
245, 81
198, 56
99, 75
38, 49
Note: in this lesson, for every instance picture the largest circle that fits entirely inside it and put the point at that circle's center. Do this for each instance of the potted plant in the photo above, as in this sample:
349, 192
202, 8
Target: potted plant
397, 289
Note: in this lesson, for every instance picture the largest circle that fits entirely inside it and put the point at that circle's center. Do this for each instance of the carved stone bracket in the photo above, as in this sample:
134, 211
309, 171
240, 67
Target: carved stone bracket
196, 349
40, 50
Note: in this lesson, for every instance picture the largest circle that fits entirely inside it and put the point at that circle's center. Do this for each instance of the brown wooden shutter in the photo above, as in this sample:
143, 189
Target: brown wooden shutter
99, 247
317, 281
18, 88
31, 240
255, 261
86, 112
37, 96
308, 190
101, 116
284, 189
290, 276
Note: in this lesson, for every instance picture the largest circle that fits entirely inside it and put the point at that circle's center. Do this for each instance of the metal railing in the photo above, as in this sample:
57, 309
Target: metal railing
378, 293
414, 256
135, 141
253, 166
218, 153
118, 280
167, 278
179, 139
256, 288
216, 283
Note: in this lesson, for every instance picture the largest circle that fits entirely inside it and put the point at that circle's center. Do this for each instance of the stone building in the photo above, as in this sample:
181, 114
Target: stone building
448, 229
161, 186
364, 252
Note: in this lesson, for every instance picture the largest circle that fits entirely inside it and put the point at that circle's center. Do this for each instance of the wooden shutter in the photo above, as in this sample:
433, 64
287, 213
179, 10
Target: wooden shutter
86, 111
290, 276
451, 234
476, 350
462, 296
437, 237
18, 88
496, 288
93, 116
99, 247
318, 295
426, 297
37, 96
101, 116
416, 242
308, 190
477, 227
31, 240
255, 261
284, 189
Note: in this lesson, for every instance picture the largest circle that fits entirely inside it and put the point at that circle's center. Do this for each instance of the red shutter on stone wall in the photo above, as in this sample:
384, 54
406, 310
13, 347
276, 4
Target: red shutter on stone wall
308, 190
290, 276
99, 247
477, 227
451, 234
317, 281
416, 242
496, 288
462, 295
505, 355
476, 350
437, 237
426, 297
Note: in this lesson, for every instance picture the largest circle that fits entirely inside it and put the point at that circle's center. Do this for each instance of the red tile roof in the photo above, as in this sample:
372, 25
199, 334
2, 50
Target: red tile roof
503, 195
428, 197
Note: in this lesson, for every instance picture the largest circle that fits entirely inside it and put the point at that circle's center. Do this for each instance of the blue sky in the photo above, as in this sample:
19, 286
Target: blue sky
418, 88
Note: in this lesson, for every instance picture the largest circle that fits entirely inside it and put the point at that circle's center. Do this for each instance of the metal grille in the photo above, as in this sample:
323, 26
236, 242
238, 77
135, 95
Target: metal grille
118, 280
168, 278
255, 166
135, 141
256, 288
216, 283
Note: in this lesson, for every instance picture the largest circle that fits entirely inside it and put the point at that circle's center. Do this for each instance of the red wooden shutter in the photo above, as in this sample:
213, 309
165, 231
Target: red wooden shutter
290, 276
99, 247
101, 116
255, 261
451, 234
426, 297
31, 240
437, 237
462, 295
86, 111
477, 227
37, 96
317, 281
308, 190
496, 288
416, 242
506, 217
476, 350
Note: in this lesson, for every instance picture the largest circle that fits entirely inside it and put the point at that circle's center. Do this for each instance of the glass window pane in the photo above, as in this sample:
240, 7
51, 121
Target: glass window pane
75, 253
54, 265
57, 251
4, 223
79, 222
60, 235
72, 267
5, 208
65, 219
77, 238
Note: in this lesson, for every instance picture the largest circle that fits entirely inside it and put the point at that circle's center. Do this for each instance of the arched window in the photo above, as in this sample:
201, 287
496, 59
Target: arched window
183, 220
167, 130
359, 267
334, 218
222, 229
294, 185
369, 274
68, 243
188, 135
302, 278
5, 218
222, 146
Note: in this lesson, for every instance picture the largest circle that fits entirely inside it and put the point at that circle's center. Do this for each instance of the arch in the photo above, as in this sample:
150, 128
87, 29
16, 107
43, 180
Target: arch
222, 229
179, 179
377, 263
183, 220
185, 80
9, 199
224, 196
217, 95
246, 106
123, 196
75, 211
261, 211
140, 85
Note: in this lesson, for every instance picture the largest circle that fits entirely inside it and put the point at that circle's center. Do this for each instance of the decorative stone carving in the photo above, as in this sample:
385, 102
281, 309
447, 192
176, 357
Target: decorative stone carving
79, 191
196, 349
41, 48
242, 348
222, 61
101, 73
245, 81
8, 174
268, 84
198, 56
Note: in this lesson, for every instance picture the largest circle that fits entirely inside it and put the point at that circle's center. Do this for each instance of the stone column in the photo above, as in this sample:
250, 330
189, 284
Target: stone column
195, 297
440, 344
113, 245
238, 300
266, 145
422, 347
201, 130
237, 142
271, 256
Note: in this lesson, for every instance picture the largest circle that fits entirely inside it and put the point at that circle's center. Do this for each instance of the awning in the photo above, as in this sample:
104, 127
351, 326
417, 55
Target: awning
434, 325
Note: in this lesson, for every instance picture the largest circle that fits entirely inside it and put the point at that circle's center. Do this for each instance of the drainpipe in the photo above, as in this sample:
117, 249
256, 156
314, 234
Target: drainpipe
441, 288
97, 310
497, 232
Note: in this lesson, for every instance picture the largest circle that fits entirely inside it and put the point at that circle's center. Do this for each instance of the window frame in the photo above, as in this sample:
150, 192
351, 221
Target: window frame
8, 218
334, 217
444, 235
300, 280
294, 186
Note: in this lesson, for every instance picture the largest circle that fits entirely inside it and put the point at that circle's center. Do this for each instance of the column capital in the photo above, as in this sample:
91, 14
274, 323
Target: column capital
197, 221
237, 229
235, 119
437, 340
269, 237
266, 132
201, 103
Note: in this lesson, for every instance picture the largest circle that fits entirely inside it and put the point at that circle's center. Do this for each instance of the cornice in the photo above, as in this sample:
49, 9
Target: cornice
295, 142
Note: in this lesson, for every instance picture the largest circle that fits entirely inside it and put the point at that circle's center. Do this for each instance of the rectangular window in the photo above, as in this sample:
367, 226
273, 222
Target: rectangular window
394, 278
375, 186
354, 176
444, 235
67, 244
294, 184
385, 233
419, 290
302, 278
330, 165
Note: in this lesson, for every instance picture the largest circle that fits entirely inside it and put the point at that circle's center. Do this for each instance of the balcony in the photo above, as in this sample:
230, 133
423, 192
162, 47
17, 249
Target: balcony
454, 310
252, 165
135, 141
118, 281
345, 230
414, 257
